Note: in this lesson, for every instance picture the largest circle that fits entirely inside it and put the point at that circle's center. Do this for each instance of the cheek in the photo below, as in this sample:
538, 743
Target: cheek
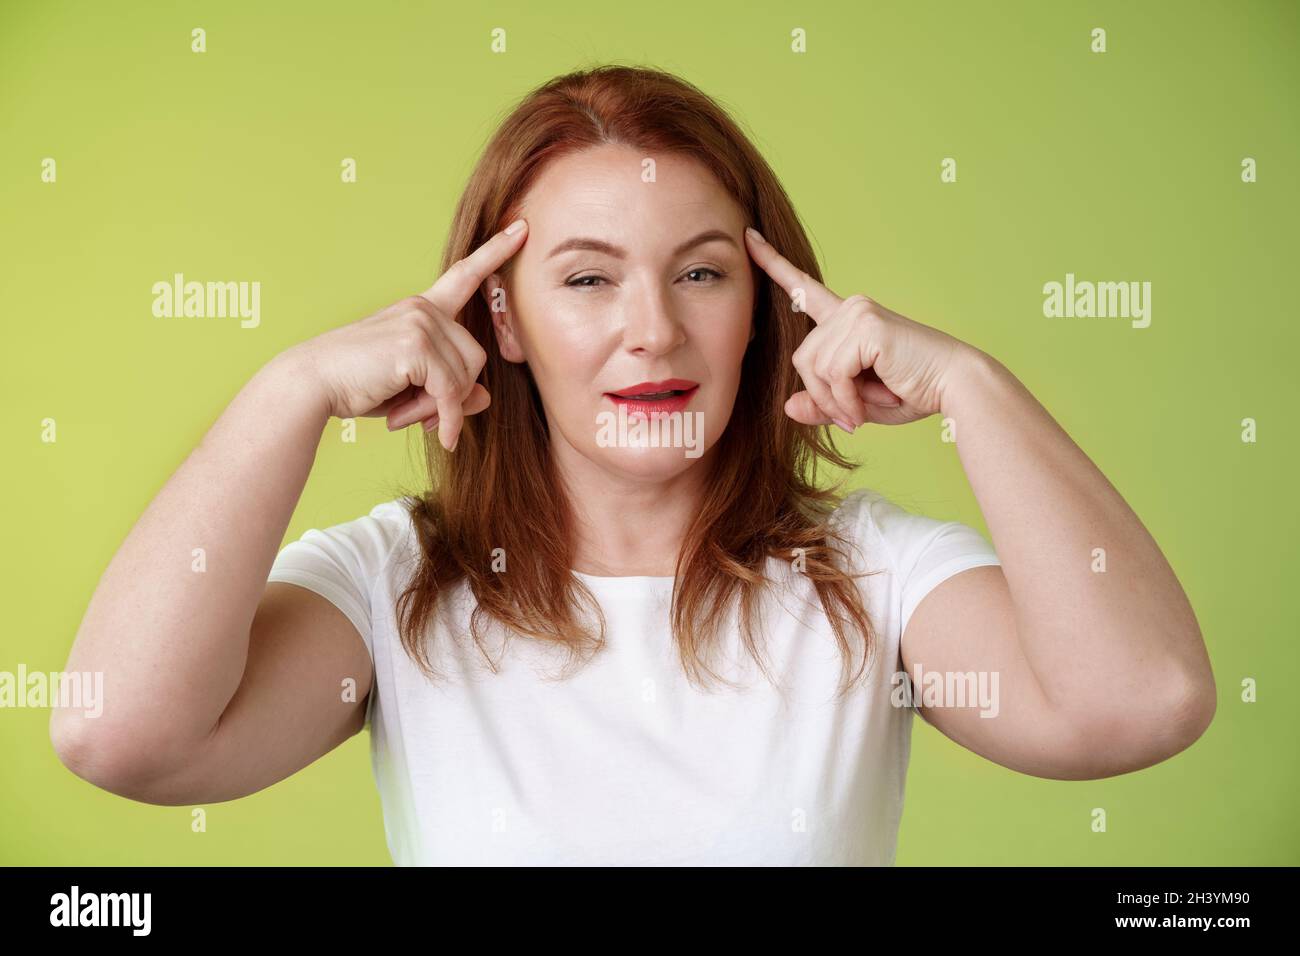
723, 340
562, 346
545, 326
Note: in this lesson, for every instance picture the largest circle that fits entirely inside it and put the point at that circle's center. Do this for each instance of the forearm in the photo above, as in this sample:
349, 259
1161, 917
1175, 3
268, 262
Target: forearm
169, 622
1122, 640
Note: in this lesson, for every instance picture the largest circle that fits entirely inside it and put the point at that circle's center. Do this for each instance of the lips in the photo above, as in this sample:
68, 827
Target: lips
655, 398
645, 389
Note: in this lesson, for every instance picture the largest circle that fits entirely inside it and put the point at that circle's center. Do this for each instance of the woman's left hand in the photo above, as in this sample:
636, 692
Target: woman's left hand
862, 363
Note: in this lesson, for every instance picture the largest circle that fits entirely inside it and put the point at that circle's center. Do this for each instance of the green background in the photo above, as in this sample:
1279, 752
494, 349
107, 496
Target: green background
226, 165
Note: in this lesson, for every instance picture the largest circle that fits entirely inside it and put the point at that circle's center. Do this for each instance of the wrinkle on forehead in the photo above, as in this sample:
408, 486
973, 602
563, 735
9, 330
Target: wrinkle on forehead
587, 179
585, 195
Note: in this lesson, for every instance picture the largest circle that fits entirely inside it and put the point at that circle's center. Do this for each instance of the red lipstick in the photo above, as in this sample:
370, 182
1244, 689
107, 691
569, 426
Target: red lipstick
655, 398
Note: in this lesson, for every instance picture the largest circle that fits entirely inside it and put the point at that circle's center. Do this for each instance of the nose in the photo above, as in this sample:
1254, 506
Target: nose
650, 325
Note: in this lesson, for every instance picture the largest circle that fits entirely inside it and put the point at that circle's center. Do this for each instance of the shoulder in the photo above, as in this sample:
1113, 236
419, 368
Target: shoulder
392, 519
871, 518
905, 539
363, 546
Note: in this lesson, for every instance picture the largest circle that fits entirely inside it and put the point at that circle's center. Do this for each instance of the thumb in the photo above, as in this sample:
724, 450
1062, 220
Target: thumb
877, 393
801, 407
880, 402
478, 400
423, 408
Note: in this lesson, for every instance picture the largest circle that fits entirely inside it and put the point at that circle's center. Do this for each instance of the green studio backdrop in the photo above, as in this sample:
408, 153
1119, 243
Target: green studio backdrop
227, 164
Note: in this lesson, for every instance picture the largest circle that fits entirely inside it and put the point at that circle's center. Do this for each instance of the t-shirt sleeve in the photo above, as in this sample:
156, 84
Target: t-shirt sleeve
923, 551
343, 563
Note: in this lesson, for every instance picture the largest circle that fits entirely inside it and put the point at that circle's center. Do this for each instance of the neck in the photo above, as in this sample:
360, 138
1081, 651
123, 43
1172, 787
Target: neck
626, 525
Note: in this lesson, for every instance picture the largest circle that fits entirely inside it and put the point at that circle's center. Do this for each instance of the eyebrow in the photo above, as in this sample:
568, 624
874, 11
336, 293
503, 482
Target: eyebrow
618, 252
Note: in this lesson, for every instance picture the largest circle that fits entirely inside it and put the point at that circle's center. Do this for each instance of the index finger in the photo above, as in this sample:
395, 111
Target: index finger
455, 286
818, 301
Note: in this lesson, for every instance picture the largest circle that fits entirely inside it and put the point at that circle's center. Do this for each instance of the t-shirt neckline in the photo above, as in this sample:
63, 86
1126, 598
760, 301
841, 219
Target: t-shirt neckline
624, 581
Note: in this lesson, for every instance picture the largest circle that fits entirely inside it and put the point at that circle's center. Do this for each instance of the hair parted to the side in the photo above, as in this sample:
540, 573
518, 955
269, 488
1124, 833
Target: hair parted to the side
499, 490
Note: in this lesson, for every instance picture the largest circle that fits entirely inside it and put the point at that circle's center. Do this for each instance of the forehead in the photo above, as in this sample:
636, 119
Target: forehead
604, 191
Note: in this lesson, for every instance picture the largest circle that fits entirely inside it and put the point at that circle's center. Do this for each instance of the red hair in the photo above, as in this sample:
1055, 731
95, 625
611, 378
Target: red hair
500, 490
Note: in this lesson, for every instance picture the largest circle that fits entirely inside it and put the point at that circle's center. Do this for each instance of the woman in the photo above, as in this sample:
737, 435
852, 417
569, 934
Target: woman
582, 644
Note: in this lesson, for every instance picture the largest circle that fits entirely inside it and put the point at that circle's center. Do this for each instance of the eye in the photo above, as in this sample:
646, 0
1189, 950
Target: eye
703, 276
713, 274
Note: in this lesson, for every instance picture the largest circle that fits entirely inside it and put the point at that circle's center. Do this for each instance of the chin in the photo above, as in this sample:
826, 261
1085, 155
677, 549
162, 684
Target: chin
655, 445
649, 464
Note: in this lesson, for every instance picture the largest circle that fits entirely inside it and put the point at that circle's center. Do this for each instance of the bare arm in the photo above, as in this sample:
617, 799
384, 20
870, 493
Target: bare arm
1102, 671
173, 642
216, 684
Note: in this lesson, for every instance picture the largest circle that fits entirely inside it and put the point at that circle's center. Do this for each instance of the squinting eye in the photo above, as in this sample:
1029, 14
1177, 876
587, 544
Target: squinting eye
712, 272
581, 282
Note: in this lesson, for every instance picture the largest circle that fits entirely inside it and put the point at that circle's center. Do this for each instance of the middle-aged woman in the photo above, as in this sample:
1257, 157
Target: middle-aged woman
622, 255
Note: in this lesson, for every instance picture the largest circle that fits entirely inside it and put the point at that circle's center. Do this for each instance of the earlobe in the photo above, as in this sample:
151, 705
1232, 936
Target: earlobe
507, 344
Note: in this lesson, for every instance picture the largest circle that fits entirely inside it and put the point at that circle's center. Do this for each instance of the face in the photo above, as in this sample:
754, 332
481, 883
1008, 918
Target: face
632, 303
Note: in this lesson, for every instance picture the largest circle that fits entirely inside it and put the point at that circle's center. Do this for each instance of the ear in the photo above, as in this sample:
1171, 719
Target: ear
503, 320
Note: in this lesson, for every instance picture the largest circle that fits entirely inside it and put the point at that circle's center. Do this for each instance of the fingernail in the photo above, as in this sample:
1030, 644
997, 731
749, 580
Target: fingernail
755, 234
454, 442
844, 425
514, 227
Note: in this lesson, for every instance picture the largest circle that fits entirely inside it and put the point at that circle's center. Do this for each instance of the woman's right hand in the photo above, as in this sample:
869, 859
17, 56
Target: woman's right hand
413, 361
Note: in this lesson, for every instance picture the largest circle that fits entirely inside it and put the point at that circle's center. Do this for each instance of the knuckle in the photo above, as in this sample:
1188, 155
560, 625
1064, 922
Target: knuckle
407, 365
444, 391
413, 340
471, 354
414, 323
441, 384
456, 271
860, 306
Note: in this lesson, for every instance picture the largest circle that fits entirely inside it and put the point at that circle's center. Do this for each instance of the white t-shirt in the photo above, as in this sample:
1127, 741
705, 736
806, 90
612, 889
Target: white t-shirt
625, 761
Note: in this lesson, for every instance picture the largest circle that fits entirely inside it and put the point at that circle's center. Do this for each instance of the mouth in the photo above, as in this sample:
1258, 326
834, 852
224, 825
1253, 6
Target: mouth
650, 398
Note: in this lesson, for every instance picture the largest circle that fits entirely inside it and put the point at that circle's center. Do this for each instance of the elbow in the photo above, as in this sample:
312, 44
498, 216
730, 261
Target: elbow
1143, 732
68, 736
83, 749
1176, 720
118, 762
1192, 708
1152, 732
